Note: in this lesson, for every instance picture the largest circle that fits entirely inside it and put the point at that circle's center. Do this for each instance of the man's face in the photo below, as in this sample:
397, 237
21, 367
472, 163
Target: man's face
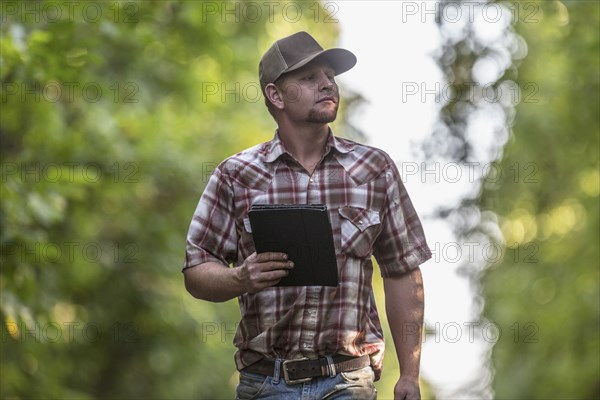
310, 94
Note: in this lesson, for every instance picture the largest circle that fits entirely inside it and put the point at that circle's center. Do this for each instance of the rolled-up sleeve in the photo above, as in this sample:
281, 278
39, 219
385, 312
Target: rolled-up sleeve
212, 235
401, 245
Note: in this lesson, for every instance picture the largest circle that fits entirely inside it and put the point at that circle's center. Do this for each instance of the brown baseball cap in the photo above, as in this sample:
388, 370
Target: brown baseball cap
294, 52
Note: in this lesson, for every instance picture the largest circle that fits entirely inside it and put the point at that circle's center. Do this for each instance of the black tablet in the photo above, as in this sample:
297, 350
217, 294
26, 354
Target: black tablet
303, 232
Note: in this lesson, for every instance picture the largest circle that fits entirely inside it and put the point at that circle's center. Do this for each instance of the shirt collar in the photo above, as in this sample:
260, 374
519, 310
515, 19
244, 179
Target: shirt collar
275, 148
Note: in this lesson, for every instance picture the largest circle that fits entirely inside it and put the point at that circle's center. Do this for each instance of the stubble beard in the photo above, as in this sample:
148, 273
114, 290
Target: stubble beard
322, 117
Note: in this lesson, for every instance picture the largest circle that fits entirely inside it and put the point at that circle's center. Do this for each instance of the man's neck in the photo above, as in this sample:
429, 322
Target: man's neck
306, 144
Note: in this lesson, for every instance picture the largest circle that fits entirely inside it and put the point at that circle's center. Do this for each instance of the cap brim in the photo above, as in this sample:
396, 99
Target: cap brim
341, 60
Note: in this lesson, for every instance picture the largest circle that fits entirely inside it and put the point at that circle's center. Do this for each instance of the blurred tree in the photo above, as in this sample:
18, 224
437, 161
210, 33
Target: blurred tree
543, 293
113, 116
546, 289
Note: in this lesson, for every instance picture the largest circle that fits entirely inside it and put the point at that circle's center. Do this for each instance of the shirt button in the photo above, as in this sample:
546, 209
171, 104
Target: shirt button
311, 179
360, 222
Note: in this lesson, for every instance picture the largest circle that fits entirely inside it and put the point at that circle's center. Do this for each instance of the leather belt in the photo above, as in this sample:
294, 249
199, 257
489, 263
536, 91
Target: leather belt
304, 369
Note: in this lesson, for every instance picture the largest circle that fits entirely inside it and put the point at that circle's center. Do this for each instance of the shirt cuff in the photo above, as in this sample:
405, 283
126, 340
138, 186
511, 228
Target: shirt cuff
409, 262
191, 260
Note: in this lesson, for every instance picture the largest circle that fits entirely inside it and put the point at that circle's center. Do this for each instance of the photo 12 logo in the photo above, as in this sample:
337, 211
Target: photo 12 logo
269, 11
68, 332
455, 12
469, 172
55, 91
487, 252
471, 331
50, 12
68, 252
69, 172
508, 92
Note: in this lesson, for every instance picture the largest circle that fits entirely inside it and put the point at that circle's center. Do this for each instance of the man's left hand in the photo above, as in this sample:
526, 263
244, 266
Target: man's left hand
407, 389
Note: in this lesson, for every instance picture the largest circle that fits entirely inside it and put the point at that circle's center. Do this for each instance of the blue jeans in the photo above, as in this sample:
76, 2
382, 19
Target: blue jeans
345, 385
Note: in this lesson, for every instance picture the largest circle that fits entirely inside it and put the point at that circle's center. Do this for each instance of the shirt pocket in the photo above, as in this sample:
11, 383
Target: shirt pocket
360, 227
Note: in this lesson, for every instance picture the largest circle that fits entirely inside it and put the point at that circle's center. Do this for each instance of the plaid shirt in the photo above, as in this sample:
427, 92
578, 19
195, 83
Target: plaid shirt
371, 214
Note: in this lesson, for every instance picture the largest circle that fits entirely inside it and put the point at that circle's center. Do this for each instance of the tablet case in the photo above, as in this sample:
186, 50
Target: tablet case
303, 232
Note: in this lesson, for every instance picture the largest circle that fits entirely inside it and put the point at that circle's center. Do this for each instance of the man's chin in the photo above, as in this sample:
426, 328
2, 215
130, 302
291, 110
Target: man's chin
322, 117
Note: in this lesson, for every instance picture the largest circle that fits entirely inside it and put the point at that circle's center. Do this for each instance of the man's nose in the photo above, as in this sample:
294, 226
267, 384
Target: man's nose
325, 82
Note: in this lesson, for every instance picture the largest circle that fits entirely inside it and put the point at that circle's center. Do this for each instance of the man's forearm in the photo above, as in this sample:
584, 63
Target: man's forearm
404, 303
213, 282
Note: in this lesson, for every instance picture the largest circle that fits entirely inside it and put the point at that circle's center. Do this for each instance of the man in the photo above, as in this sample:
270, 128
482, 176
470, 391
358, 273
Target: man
311, 341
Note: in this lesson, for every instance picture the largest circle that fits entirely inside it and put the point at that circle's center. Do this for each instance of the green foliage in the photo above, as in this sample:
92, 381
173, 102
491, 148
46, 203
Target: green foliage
111, 124
544, 292
548, 212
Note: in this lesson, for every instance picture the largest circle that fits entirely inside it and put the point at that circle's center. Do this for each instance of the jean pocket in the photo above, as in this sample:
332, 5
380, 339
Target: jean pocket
360, 227
251, 386
365, 375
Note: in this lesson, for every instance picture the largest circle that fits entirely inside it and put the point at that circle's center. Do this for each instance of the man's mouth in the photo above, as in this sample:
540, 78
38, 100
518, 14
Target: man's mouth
332, 99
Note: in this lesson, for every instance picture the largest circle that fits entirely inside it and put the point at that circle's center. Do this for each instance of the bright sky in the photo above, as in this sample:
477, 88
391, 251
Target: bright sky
393, 41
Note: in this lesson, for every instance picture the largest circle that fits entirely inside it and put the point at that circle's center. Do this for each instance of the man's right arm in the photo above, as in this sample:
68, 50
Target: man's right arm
213, 281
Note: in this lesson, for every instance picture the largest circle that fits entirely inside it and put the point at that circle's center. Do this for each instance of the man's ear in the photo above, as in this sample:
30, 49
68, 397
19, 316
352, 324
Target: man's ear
274, 95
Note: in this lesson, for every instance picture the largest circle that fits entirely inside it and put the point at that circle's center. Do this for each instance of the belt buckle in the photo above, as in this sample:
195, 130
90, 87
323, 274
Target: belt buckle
286, 375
